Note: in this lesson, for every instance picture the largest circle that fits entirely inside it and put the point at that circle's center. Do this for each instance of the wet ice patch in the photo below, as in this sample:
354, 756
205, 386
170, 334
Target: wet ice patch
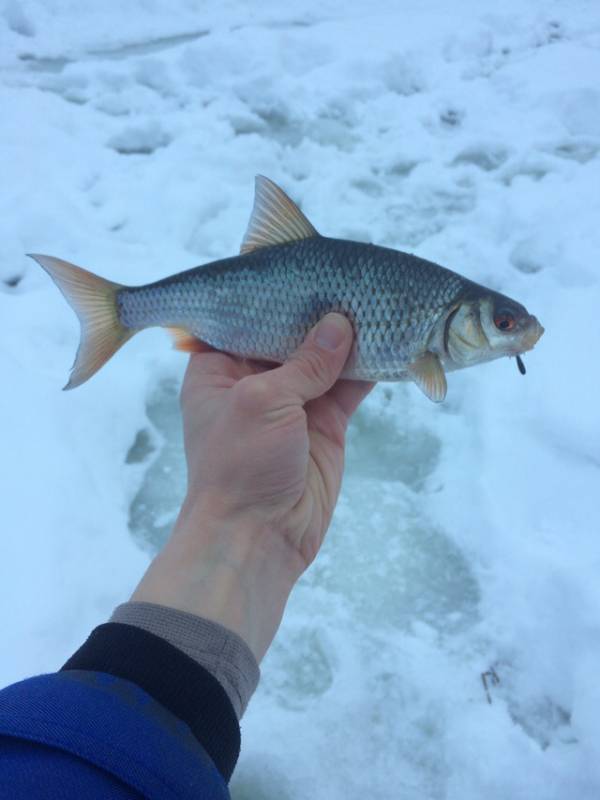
379, 448
391, 564
261, 780
142, 448
156, 504
301, 667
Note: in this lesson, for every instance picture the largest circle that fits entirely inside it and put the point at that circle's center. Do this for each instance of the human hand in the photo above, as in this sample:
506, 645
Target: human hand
265, 454
268, 445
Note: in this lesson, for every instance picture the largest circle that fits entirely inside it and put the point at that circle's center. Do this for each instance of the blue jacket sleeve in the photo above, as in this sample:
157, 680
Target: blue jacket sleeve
84, 734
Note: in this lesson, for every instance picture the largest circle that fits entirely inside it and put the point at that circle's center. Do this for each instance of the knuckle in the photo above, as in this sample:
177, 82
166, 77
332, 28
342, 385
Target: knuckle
313, 366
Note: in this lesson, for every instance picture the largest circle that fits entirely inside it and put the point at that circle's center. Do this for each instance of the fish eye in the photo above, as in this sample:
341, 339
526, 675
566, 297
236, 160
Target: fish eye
504, 320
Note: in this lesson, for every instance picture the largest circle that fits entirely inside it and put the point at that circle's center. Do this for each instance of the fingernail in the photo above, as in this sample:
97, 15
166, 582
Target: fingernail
331, 331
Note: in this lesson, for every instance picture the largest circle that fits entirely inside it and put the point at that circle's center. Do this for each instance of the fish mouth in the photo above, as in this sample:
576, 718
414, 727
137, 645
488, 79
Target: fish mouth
531, 336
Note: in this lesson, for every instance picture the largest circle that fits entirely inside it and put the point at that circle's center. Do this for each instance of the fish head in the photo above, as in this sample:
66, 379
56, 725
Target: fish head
489, 326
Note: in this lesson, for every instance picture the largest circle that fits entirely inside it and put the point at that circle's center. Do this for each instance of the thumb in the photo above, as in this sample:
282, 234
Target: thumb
316, 365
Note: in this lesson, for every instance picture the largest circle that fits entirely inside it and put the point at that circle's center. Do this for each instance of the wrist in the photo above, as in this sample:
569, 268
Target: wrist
237, 571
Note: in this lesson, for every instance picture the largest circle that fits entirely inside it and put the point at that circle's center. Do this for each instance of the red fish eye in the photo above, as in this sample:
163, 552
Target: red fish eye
504, 321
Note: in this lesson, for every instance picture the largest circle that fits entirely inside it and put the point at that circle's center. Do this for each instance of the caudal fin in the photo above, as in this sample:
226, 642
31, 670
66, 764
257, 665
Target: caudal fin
94, 300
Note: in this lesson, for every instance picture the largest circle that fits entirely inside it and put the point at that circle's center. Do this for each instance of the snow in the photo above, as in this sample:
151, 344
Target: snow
467, 535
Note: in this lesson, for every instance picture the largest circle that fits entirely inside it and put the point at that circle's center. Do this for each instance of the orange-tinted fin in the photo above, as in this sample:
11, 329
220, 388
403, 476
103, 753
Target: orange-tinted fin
428, 373
94, 300
186, 342
275, 219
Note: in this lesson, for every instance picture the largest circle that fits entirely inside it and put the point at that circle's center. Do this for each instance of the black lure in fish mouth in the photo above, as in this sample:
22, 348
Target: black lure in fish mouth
521, 365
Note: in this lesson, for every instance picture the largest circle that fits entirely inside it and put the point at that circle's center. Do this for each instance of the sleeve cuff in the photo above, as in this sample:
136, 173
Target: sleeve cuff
220, 651
172, 678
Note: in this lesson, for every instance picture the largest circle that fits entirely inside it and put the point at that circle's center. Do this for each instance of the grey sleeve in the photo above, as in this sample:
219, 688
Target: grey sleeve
220, 651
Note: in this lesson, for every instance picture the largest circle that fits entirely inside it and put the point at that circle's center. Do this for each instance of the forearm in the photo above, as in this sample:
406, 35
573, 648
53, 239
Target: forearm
236, 572
153, 699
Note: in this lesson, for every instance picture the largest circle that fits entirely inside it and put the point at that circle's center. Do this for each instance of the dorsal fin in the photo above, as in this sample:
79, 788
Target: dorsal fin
275, 219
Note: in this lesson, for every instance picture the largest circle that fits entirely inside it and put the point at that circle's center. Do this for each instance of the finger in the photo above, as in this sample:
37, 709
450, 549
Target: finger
315, 366
349, 394
205, 368
261, 366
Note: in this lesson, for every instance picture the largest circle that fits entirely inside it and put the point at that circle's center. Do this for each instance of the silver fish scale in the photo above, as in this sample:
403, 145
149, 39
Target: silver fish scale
261, 305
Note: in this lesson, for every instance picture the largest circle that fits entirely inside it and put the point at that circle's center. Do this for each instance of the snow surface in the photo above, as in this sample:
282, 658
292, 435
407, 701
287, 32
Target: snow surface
467, 537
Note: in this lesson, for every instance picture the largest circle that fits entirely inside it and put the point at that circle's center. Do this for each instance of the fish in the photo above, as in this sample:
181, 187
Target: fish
413, 320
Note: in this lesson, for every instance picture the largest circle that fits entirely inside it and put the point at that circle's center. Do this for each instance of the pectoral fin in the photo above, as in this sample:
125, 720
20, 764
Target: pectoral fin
428, 374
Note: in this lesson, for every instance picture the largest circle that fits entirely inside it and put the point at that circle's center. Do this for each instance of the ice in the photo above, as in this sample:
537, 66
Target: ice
465, 542
157, 502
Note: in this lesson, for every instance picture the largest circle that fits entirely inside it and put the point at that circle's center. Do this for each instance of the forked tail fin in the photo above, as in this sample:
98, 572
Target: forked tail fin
94, 300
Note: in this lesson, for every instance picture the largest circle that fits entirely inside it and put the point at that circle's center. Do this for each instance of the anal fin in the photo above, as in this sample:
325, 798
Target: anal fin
428, 373
186, 342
